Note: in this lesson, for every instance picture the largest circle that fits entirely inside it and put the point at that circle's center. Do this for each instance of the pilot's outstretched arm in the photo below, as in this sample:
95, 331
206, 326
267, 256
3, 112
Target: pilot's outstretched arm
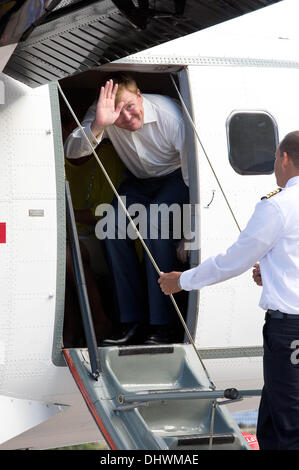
254, 242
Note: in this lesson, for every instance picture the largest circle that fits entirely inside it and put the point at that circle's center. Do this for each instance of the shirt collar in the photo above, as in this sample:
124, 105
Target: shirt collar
150, 114
292, 181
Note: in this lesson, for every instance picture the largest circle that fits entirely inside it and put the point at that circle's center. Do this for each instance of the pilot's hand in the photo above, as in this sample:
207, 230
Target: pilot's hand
256, 274
106, 112
169, 282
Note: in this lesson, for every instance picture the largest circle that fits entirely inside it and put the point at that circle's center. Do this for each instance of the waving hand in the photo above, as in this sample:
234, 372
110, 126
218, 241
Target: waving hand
106, 113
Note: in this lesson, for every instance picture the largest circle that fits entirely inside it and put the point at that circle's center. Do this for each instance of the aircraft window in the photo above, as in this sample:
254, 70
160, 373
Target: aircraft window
252, 142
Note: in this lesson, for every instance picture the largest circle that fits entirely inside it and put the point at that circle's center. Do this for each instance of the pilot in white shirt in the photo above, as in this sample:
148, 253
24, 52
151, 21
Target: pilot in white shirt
271, 238
268, 238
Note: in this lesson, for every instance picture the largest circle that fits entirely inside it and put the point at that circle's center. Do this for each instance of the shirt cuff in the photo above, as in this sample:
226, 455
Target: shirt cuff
94, 140
179, 283
202, 275
183, 285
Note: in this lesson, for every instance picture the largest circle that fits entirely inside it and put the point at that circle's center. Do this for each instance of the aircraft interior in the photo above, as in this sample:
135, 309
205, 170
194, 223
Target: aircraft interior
86, 180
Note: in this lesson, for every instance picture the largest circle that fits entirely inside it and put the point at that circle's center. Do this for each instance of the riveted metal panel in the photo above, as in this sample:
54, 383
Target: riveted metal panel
78, 35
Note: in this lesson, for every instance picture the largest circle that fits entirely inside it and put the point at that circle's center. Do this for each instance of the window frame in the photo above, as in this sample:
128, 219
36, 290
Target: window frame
249, 111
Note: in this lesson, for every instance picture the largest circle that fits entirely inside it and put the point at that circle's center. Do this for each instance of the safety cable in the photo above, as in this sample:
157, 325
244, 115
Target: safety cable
212, 386
214, 403
204, 151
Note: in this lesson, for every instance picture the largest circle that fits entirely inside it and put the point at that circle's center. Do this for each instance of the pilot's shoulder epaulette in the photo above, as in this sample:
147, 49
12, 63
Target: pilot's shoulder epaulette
272, 193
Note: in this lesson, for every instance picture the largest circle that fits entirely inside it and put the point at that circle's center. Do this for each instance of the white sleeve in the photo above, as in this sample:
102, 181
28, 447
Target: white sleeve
261, 233
76, 145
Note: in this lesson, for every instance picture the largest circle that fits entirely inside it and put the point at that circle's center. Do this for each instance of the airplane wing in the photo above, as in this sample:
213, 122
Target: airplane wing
20, 415
71, 36
18, 18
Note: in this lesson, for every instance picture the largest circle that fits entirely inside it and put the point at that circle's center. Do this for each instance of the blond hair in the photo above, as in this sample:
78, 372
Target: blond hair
125, 82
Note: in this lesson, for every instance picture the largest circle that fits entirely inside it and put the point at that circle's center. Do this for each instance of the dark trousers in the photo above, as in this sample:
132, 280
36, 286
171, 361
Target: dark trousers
134, 302
278, 421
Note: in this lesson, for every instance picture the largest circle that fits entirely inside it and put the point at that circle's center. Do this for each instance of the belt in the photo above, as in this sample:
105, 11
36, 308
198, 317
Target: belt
280, 315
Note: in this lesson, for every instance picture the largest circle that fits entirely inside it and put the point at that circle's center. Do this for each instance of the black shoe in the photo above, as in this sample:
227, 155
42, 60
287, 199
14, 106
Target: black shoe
125, 333
160, 334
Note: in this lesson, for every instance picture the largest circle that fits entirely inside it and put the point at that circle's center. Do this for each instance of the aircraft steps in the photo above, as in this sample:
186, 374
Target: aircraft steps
156, 398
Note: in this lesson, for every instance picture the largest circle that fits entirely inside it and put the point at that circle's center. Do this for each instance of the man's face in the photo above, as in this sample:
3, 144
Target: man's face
132, 114
279, 170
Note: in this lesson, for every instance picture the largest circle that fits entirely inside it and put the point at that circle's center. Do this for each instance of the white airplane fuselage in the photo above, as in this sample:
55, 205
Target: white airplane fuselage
35, 381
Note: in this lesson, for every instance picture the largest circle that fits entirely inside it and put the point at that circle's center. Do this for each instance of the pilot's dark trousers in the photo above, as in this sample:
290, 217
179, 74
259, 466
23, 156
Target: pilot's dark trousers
134, 302
278, 421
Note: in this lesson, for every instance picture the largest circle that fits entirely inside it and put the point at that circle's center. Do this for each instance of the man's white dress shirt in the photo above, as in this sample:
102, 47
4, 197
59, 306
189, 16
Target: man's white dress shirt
271, 237
157, 149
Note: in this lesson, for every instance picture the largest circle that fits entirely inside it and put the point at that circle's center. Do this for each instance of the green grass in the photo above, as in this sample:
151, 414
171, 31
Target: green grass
90, 446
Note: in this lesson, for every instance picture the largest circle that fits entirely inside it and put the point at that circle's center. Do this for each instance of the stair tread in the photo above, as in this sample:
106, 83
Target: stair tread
203, 439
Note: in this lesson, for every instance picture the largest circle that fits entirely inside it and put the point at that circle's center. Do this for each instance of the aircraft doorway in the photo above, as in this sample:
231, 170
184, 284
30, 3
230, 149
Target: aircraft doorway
98, 278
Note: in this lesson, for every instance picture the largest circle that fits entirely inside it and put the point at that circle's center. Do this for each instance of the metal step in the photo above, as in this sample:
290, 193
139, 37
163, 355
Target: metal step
204, 439
186, 393
156, 399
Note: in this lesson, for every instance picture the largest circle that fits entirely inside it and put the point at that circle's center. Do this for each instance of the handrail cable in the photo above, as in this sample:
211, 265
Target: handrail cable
204, 151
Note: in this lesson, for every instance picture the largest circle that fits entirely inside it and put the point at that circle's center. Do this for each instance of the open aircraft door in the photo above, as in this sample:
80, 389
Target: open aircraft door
32, 238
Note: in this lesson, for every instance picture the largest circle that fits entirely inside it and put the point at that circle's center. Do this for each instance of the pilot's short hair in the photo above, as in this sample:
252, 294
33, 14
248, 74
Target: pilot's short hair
290, 145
